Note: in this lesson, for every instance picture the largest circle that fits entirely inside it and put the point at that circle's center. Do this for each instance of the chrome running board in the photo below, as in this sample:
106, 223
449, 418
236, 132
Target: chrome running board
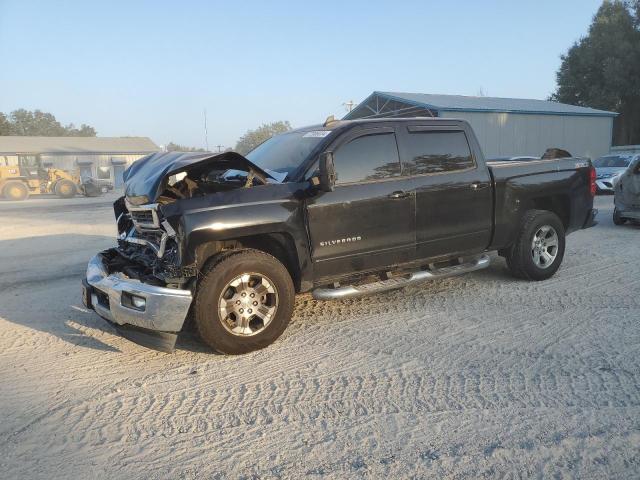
399, 282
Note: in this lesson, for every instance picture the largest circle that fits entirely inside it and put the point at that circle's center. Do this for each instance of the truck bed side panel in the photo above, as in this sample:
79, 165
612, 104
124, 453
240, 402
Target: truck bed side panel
560, 185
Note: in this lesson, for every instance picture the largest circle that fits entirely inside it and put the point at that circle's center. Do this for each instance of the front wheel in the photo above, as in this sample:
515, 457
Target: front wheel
617, 219
244, 302
539, 247
65, 188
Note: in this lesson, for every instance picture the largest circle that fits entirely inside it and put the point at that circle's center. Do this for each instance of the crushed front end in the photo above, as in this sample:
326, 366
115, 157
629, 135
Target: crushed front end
140, 286
146, 284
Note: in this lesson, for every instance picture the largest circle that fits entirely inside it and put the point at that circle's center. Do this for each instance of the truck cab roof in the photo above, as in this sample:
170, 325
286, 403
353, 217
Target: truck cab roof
339, 124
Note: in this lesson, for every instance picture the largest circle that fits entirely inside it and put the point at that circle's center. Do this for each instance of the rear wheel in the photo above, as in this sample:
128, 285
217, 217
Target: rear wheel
617, 219
15, 191
244, 302
539, 247
65, 188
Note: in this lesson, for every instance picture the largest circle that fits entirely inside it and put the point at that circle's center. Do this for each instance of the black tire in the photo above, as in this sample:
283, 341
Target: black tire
520, 259
65, 188
213, 285
617, 219
15, 191
90, 189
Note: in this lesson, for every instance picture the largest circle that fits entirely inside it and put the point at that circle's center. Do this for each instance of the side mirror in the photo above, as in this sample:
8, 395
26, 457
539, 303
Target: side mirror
327, 172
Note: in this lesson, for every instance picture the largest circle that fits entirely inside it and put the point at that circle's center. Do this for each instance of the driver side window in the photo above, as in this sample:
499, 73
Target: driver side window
367, 158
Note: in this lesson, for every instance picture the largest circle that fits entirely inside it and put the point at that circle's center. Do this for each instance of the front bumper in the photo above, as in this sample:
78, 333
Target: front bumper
630, 215
604, 185
164, 312
628, 212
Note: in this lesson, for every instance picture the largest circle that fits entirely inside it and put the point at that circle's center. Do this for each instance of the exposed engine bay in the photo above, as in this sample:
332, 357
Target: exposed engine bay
174, 175
194, 183
149, 246
148, 249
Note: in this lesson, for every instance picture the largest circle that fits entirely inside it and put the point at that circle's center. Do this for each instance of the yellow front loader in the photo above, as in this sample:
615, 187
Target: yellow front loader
30, 178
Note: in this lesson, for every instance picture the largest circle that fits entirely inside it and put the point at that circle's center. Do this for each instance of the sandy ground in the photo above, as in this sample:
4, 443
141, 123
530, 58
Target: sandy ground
475, 376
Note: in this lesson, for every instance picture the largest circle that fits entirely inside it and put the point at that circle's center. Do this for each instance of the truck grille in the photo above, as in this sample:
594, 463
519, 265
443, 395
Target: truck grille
154, 237
144, 217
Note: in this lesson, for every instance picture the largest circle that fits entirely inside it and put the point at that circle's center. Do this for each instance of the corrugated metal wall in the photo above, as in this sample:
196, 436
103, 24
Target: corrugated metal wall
69, 162
106, 167
512, 134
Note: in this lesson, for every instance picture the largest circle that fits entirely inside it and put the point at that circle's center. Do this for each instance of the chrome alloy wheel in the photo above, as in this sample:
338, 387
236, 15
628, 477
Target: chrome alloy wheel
247, 304
544, 246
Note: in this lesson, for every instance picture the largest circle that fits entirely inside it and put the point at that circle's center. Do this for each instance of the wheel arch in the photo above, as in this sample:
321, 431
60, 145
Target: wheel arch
558, 204
280, 245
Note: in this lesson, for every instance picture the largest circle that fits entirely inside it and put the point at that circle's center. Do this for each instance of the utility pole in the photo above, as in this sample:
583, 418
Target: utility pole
349, 105
219, 147
206, 139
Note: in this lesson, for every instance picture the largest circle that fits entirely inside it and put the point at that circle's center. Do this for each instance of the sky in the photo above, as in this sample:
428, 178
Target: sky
150, 68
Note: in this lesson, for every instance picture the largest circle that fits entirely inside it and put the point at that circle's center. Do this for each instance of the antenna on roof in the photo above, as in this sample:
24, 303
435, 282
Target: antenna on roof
330, 119
349, 105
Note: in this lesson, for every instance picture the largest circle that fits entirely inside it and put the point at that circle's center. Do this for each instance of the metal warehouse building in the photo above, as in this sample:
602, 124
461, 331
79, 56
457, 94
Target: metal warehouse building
504, 126
97, 157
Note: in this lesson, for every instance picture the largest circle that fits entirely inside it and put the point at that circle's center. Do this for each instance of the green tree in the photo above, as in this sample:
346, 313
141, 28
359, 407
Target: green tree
602, 69
83, 131
6, 128
37, 123
175, 147
253, 138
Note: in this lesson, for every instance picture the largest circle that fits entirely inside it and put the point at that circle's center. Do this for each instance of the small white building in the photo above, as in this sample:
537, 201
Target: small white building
97, 157
505, 127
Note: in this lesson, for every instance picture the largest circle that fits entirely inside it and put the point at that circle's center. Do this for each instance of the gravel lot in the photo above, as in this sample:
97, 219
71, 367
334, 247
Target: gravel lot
480, 375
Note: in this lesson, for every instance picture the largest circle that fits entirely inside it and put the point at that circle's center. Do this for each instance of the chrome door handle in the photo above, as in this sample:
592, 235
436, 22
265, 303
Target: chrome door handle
478, 186
398, 194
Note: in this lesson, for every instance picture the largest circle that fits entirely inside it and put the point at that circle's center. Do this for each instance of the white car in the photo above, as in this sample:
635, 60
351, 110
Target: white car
610, 167
627, 194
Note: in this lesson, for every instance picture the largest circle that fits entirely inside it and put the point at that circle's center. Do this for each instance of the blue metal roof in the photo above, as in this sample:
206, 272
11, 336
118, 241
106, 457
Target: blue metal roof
463, 103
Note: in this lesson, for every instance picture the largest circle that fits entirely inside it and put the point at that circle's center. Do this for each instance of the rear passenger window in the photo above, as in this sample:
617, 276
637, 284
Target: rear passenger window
436, 152
371, 157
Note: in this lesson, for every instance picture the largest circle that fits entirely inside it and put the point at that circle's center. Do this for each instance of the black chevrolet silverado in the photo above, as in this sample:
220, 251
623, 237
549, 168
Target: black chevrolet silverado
342, 209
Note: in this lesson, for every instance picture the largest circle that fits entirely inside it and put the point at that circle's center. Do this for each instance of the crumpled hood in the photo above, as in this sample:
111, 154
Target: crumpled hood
145, 177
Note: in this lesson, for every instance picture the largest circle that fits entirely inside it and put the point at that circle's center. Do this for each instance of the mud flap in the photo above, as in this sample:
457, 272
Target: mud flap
591, 219
161, 341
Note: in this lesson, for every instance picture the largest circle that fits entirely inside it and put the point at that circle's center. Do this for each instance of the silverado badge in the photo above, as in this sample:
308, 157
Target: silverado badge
339, 241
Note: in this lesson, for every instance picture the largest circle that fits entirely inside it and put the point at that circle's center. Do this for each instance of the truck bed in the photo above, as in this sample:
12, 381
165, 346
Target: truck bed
559, 185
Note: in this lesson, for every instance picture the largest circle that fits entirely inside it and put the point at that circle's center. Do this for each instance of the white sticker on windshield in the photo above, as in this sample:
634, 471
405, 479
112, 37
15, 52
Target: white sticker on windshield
317, 134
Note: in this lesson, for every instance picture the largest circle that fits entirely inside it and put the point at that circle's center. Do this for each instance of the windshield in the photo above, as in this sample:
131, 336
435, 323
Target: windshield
615, 161
284, 153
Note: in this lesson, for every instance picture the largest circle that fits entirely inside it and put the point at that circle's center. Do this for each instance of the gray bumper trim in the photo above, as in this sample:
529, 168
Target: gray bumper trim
630, 214
166, 308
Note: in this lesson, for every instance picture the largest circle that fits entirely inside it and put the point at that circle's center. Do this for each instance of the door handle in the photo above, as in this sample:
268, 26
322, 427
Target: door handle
478, 186
399, 194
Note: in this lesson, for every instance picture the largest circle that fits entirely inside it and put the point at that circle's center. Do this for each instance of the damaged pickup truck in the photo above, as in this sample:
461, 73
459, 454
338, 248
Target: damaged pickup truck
344, 209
